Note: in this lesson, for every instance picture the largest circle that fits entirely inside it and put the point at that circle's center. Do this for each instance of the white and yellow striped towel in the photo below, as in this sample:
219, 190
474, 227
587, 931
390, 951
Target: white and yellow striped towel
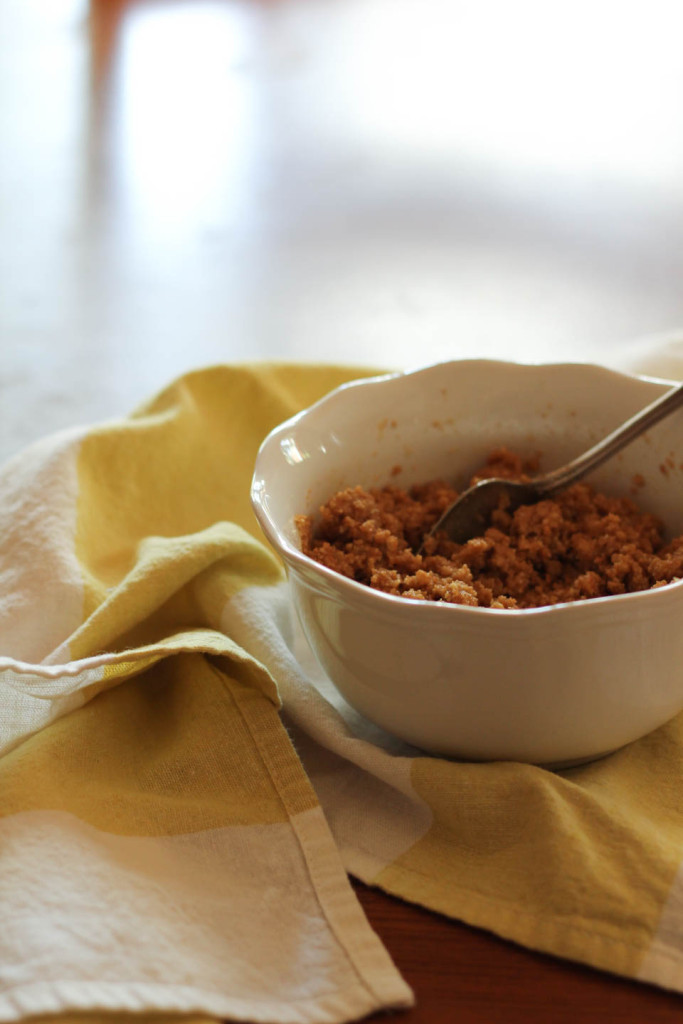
182, 794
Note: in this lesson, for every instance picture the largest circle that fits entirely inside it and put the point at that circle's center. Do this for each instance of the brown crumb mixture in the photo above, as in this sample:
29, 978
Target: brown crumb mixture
578, 545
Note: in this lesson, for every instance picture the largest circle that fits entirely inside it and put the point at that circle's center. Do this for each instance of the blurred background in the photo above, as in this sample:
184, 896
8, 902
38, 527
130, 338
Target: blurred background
385, 182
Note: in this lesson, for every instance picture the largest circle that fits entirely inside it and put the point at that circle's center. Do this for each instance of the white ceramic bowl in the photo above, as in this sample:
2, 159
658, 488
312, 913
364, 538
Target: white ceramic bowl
552, 685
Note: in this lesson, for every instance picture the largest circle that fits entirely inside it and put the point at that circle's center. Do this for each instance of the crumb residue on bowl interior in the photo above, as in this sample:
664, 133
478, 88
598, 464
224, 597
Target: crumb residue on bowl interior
580, 544
668, 464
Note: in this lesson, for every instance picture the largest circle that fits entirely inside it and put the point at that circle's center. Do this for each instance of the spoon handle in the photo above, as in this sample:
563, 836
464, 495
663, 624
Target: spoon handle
618, 439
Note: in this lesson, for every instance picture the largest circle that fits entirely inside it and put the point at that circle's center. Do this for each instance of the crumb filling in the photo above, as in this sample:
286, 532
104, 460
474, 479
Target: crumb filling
577, 545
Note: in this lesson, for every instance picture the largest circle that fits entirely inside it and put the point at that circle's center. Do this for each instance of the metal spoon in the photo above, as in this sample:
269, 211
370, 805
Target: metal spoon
470, 513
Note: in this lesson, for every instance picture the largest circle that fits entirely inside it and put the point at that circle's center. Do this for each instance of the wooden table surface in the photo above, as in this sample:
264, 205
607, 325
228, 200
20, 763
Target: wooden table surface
387, 182
467, 975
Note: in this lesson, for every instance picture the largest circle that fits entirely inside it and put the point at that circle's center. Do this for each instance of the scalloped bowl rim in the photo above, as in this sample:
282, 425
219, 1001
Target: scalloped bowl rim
363, 592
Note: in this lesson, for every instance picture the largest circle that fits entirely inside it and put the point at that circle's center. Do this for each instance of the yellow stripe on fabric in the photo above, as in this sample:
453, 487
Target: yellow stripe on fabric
165, 753
115, 671
577, 864
183, 462
115, 667
173, 586
163, 503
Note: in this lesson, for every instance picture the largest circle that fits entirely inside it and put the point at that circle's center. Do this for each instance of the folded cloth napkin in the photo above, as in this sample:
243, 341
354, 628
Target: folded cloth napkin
182, 793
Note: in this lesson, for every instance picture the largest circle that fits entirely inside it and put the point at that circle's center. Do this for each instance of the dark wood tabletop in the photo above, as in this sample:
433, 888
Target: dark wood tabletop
467, 975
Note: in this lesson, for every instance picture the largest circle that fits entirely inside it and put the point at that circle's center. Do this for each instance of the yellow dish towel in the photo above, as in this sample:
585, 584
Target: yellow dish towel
182, 793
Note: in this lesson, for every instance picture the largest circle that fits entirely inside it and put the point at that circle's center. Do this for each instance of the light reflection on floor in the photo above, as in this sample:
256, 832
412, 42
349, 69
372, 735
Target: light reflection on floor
379, 181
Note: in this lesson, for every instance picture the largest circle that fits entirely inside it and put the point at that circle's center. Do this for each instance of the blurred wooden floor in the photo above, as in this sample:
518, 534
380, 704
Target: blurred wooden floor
390, 182
378, 181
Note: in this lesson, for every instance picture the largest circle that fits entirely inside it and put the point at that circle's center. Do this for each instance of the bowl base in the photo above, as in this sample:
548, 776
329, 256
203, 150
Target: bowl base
558, 766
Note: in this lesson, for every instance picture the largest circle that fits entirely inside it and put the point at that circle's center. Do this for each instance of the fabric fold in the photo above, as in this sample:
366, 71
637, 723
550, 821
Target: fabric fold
182, 792
161, 847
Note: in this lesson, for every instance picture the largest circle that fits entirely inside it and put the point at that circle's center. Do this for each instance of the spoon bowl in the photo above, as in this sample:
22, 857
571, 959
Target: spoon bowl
469, 515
